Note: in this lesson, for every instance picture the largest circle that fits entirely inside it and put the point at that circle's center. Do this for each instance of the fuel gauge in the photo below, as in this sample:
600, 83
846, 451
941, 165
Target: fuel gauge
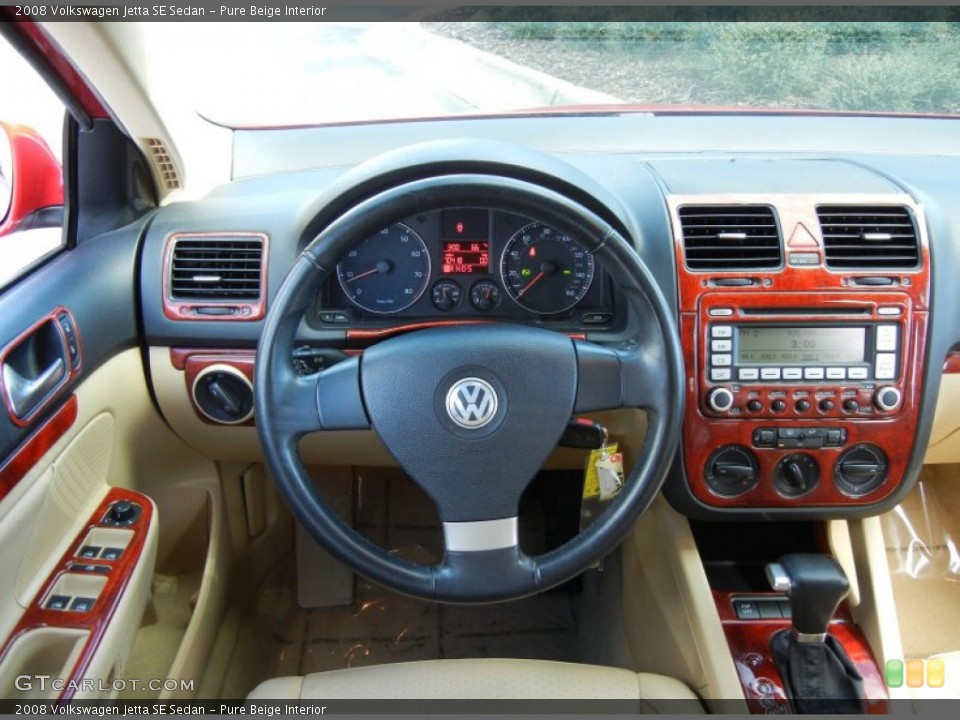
446, 295
484, 295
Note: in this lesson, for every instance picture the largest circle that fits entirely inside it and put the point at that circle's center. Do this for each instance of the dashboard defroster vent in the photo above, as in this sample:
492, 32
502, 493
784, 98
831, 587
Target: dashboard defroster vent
865, 237
217, 269
730, 237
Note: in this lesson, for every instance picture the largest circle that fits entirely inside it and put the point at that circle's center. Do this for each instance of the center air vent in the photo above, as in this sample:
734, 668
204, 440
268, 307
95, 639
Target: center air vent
867, 237
217, 268
730, 237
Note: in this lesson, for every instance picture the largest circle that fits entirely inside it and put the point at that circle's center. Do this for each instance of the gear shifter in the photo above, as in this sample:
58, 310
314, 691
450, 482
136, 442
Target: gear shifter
818, 675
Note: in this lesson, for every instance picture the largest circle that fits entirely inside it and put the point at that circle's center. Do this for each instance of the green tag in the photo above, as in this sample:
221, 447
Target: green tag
894, 674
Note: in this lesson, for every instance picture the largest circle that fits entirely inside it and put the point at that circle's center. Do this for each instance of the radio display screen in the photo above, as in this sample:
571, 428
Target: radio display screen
800, 345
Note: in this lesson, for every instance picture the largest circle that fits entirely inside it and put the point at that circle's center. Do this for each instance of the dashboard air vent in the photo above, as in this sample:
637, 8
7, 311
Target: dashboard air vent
865, 237
217, 269
730, 237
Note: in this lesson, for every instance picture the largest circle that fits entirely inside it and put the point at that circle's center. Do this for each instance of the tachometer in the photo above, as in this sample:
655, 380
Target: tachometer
387, 272
545, 271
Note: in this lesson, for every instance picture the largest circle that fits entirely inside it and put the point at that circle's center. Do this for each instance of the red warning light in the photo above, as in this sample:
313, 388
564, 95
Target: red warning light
533, 252
459, 227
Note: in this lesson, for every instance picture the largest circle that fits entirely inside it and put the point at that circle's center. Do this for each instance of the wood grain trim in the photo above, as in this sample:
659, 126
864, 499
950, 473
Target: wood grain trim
952, 364
800, 287
749, 643
193, 362
187, 311
98, 619
71, 371
16, 467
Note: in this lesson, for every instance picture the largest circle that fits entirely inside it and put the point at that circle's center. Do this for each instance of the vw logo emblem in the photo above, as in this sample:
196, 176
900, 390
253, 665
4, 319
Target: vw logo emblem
472, 403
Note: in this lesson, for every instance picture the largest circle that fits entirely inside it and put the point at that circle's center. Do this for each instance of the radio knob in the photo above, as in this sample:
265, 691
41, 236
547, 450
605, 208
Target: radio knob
778, 406
720, 400
754, 406
850, 405
887, 398
802, 405
826, 405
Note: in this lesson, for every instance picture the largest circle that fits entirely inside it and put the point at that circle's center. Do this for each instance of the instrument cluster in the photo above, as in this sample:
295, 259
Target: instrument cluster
468, 263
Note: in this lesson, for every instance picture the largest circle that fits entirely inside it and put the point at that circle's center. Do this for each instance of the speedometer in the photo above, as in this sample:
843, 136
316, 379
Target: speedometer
544, 270
387, 272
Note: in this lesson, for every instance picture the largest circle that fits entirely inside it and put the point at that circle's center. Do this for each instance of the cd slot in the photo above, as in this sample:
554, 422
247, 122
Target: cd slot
808, 312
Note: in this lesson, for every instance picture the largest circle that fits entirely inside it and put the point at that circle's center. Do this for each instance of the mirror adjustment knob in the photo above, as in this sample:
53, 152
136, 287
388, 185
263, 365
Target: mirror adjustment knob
720, 400
123, 513
887, 398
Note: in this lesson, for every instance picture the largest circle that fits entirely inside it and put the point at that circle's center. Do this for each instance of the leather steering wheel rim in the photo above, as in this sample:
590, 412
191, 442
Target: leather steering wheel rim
647, 374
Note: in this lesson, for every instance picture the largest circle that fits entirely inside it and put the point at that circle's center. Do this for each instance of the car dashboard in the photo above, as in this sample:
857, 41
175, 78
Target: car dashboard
803, 286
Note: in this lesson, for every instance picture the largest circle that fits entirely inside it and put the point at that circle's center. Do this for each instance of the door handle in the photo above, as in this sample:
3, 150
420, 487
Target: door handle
25, 393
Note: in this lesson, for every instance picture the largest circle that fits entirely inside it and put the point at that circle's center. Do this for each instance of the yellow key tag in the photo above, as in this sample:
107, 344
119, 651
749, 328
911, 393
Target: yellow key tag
593, 483
592, 486
610, 475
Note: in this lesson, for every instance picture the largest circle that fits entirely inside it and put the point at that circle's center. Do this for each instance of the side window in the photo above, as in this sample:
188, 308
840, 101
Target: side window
31, 176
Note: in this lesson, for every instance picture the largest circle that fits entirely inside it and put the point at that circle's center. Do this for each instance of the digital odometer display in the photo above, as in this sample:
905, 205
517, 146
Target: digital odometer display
800, 345
468, 257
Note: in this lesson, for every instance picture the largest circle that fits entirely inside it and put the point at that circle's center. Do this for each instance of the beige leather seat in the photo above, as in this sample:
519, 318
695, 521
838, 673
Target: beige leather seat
487, 679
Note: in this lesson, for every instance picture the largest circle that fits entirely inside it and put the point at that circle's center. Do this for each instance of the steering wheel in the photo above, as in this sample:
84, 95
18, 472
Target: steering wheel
471, 412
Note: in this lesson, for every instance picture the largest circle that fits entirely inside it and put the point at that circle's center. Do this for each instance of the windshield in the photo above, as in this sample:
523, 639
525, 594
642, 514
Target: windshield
286, 74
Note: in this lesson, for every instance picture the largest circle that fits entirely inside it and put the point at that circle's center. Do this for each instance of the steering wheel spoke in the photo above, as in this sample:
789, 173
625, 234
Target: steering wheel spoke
620, 377
338, 398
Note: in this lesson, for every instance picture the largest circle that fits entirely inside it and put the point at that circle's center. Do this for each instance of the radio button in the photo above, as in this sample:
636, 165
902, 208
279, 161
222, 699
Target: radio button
721, 360
886, 366
858, 373
720, 312
851, 406
721, 331
769, 373
826, 405
888, 311
886, 338
754, 406
721, 345
813, 373
887, 398
720, 374
720, 400
836, 373
748, 374
778, 406
801, 405
792, 373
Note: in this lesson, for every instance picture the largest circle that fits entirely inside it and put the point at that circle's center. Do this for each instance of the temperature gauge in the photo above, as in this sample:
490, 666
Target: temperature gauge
484, 295
446, 295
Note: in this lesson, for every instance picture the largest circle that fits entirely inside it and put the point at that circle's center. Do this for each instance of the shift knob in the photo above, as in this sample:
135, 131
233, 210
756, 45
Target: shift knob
815, 585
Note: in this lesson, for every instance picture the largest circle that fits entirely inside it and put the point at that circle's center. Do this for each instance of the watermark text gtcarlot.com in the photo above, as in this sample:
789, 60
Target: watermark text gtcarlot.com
43, 683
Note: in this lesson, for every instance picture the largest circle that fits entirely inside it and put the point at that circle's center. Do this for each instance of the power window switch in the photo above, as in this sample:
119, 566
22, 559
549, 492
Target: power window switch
82, 604
58, 602
111, 553
89, 551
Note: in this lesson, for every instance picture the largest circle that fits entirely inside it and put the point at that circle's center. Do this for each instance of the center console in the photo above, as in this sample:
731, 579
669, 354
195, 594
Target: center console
803, 323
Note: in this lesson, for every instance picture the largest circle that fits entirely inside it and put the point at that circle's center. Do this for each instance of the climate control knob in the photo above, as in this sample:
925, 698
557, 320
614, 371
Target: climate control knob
887, 398
720, 400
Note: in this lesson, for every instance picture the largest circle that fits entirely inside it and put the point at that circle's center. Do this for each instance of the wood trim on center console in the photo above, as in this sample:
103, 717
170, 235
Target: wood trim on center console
798, 295
117, 576
749, 642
